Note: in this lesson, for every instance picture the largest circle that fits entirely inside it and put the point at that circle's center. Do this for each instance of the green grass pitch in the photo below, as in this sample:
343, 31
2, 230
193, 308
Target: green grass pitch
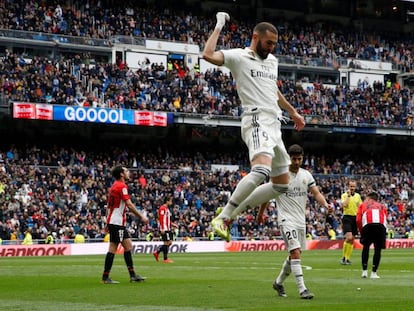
206, 281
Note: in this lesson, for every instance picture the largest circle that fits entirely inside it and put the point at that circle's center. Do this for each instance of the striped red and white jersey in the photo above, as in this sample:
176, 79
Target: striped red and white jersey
118, 195
164, 218
371, 212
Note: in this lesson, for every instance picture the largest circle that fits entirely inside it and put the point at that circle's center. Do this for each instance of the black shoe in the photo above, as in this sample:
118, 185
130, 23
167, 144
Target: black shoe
306, 294
280, 289
137, 278
109, 281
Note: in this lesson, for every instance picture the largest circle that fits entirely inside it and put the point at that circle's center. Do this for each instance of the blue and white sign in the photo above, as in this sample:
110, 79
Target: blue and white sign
93, 115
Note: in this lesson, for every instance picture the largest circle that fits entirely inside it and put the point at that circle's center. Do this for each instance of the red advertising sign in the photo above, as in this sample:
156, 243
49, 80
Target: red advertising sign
35, 250
144, 118
150, 118
160, 119
44, 112
24, 111
254, 246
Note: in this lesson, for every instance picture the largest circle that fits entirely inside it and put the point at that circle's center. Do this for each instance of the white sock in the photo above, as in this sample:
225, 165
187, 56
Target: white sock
244, 188
298, 273
262, 194
284, 272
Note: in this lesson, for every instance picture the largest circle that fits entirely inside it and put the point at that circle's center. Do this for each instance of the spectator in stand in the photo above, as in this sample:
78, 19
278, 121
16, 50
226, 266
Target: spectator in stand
28, 237
79, 237
58, 14
50, 239
411, 232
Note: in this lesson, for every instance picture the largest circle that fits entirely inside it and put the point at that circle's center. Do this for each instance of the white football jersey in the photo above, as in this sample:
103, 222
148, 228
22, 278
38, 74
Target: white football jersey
256, 79
291, 206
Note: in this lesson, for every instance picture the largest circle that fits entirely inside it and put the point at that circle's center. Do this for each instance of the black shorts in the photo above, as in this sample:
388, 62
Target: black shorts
374, 233
167, 236
349, 224
118, 233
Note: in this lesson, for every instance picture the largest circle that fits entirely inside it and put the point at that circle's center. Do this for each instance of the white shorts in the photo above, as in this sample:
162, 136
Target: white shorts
261, 132
293, 236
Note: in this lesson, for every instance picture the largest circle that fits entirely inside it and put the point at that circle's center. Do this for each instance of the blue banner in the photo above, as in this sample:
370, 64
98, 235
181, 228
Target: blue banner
93, 115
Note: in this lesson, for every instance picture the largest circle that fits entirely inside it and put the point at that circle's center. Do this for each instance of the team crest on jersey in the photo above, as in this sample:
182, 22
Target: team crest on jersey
251, 54
304, 182
124, 191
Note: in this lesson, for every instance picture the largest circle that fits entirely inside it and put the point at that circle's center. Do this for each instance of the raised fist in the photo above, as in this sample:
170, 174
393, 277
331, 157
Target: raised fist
222, 17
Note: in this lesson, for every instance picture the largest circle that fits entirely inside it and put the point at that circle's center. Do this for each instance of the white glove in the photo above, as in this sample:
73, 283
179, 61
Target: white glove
222, 17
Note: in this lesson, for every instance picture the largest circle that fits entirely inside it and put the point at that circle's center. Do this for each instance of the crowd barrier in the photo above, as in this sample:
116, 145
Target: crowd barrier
179, 247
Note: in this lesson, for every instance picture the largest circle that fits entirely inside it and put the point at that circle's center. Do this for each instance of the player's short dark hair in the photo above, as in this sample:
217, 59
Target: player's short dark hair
167, 198
117, 171
262, 27
295, 150
373, 195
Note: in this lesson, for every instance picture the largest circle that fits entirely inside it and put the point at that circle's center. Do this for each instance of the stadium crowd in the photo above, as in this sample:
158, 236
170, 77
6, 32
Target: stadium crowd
70, 80
168, 21
63, 192
153, 87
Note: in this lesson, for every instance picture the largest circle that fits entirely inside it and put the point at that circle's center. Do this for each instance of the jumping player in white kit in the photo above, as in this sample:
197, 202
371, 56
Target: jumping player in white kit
255, 71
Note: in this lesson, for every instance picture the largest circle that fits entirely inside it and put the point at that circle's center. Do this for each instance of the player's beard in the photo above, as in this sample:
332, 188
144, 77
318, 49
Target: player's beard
262, 52
294, 168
